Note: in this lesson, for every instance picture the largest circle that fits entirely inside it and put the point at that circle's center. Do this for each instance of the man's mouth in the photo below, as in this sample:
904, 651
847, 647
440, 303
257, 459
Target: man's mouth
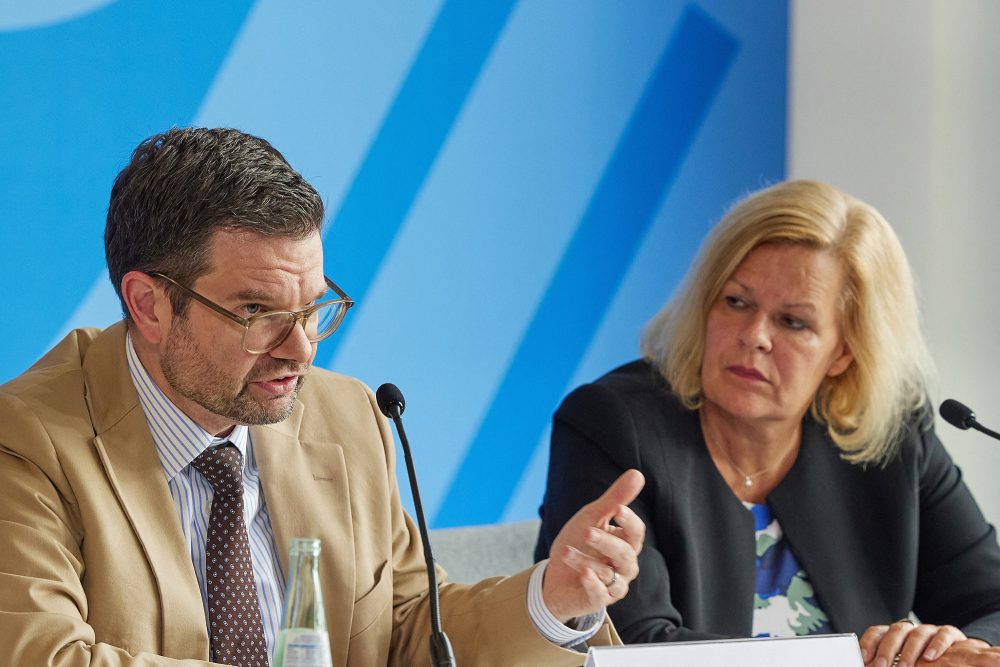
279, 386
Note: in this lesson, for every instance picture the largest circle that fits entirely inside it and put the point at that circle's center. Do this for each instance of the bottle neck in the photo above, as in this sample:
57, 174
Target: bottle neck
304, 597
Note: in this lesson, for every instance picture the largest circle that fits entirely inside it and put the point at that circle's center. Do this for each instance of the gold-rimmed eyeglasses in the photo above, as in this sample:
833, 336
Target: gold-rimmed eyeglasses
262, 332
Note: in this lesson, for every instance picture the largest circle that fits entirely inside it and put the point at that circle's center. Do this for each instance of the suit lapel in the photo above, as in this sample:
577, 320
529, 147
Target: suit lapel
125, 448
818, 520
307, 495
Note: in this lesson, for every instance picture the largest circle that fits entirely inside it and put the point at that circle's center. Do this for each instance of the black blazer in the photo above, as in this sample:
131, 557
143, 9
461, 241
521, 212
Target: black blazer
876, 542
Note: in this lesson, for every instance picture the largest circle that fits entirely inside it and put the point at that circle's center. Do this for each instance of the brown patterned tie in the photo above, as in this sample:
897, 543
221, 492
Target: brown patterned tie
233, 610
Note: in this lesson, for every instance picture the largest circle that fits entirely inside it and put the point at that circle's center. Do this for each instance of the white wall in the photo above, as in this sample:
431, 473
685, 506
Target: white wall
898, 102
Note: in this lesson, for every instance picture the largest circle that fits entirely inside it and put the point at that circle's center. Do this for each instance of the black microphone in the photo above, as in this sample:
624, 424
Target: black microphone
961, 416
390, 402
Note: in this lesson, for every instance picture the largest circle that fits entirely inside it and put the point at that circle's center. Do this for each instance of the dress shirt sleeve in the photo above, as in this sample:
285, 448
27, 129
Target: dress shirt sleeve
548, 625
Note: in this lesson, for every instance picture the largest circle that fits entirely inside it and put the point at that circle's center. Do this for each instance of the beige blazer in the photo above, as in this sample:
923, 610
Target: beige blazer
94, 569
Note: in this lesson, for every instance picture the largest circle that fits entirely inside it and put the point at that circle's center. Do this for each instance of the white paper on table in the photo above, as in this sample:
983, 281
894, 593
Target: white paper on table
812, 650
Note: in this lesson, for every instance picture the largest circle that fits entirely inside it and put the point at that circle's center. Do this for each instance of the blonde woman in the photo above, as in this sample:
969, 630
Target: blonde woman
795, 484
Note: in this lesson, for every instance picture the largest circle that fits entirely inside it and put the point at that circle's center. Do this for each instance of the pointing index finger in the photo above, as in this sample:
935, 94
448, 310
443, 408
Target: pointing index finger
623, 491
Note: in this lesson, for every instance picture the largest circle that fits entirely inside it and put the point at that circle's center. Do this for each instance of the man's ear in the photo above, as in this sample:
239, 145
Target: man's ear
148, 305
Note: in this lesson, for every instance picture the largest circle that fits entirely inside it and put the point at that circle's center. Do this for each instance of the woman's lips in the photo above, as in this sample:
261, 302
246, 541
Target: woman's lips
747, 373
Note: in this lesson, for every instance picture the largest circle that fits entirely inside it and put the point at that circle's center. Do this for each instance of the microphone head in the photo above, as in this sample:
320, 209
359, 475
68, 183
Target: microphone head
957, 414
390, 400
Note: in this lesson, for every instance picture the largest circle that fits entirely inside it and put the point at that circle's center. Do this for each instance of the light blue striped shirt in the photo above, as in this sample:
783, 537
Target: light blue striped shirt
178, 441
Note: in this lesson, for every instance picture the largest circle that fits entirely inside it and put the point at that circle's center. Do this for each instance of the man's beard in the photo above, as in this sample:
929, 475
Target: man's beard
195, 376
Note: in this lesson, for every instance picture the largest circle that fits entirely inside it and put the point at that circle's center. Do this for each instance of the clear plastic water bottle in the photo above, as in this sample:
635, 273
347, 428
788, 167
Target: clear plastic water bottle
303, 640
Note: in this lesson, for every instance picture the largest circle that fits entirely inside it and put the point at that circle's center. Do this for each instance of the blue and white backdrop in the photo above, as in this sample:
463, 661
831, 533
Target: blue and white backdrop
513, 187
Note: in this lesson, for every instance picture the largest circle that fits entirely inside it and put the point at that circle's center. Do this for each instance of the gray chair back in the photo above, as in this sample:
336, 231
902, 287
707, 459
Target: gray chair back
473, 553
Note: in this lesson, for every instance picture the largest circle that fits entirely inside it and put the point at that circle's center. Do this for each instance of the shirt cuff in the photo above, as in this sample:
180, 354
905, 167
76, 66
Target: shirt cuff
582, 628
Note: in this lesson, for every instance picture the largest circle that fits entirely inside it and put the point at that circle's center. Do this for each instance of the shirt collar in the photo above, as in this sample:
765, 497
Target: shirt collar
177, 438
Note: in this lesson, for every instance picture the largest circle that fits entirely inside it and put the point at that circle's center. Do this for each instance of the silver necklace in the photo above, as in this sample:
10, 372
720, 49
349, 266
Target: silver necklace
748, 479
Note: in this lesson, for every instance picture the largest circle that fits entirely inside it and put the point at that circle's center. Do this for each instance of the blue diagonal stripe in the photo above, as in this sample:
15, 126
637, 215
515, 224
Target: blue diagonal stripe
407, 143
77, 96
636, 180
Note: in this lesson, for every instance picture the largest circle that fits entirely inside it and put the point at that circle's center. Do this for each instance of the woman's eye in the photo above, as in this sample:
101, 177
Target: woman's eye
735, 302
793, 323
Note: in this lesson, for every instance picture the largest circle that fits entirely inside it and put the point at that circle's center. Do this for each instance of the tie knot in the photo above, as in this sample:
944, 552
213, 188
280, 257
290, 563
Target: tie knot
223, 468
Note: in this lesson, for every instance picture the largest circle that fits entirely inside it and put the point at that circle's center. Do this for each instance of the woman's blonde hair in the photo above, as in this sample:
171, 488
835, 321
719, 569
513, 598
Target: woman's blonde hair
866, 406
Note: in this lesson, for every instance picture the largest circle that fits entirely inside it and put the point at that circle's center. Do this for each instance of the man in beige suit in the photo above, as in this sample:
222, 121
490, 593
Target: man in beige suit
213, 243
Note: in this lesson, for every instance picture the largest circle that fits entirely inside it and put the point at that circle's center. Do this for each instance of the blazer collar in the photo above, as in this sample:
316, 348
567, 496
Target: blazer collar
125, 448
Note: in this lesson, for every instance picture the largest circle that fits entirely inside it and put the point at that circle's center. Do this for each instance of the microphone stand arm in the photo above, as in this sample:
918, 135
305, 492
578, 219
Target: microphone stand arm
440, 648
982, 429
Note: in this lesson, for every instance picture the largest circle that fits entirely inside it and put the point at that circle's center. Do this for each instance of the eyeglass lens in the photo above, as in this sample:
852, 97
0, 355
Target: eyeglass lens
268, 331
